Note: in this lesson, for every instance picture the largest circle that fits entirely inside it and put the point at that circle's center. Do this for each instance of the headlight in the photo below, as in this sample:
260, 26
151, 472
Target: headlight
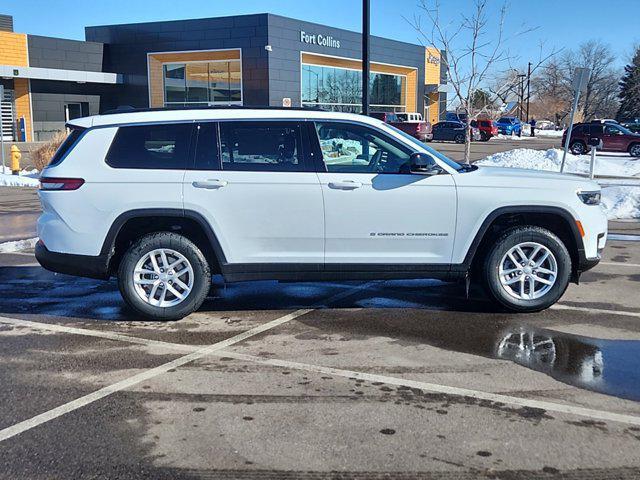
590, 198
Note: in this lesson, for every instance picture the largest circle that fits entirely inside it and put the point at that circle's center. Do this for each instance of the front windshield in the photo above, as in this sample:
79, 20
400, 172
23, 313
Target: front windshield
504, 120
435, 153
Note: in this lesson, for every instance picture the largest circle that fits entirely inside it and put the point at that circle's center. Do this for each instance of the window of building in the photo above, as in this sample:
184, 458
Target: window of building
349, 148
162, 147
261, 146
202, 83
340, 89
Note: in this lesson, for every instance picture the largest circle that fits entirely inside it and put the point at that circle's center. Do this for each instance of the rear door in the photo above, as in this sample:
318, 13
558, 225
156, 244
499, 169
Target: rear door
252, 181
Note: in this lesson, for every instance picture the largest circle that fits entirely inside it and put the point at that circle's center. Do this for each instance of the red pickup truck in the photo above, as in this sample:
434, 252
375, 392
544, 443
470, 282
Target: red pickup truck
410, 123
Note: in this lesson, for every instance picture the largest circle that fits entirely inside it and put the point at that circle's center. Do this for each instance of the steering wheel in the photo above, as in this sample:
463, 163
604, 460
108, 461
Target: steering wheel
375, 163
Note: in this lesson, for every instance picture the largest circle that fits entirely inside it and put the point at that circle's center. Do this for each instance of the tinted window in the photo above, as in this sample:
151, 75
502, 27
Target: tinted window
261, 146
613, 130
505, 120
350, 148
206, 154
162, 147
65, 147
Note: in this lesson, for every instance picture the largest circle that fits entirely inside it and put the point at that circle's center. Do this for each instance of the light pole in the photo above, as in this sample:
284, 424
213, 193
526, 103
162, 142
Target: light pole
365, 55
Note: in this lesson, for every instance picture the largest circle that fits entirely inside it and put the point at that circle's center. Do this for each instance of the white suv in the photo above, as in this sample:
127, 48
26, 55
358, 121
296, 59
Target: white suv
165, 199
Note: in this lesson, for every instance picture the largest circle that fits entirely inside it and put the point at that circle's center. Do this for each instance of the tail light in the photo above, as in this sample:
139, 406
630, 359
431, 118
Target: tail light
57, 184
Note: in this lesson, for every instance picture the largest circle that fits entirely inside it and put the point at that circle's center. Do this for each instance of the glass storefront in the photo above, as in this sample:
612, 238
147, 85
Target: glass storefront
340, 89
202, 83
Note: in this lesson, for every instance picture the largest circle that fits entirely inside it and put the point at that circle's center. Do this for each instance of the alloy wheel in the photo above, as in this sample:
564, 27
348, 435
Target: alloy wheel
163, 278
528, 271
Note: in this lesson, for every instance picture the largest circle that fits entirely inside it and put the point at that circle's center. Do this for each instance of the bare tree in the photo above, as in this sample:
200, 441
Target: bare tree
601, 95
471, 55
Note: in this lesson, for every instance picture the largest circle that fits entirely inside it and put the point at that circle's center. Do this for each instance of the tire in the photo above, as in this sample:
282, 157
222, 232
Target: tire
578, 147
459, 138
528, 238
177, 249
634, 150
484, 137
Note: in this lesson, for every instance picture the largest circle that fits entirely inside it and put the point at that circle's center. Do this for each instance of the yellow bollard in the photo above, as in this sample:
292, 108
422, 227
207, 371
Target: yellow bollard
15, 159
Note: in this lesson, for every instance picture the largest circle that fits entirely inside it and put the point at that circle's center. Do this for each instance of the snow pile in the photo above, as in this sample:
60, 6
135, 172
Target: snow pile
27, 178
618, 202
18, 245
549, 133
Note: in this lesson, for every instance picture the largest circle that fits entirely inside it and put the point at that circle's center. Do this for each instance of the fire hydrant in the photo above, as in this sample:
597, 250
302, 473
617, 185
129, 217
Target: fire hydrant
15, 160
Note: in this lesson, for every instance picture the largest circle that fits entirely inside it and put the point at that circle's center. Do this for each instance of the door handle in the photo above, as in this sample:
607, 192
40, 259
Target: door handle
210, 184
345, 185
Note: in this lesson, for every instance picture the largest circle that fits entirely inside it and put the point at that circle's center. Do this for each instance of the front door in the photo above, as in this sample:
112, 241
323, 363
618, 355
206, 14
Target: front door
376, 212
252, 183
614, 138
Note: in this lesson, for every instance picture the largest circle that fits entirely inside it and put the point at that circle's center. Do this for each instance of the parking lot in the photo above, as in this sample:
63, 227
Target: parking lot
397, 379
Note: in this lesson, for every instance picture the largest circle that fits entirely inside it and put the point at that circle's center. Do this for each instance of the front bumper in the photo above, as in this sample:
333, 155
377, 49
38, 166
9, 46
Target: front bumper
70, 264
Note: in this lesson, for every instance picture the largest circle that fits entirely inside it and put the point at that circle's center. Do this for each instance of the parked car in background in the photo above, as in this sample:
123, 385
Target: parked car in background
509, 126
410, 123
486, 127
614, 137
453, 132
545, 125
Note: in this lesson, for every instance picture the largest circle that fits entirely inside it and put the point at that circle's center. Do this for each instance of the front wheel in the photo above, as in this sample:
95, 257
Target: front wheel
164, 276
459, 138
527, 269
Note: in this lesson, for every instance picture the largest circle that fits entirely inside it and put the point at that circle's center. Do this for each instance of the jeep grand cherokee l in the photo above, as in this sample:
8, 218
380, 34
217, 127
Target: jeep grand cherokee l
164, 199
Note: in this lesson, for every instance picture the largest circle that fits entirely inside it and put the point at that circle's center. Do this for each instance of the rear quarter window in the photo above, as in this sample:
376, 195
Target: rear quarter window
158, 147
66, 146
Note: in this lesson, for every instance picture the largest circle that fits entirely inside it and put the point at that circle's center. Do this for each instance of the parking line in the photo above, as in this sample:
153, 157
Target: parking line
199, 352
603, 311
444, 389
621, 264
33, 422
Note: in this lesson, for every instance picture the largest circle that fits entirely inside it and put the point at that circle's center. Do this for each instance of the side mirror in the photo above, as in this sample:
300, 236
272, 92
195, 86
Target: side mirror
423, 164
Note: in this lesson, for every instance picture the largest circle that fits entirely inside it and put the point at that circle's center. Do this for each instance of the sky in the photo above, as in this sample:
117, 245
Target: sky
560, 24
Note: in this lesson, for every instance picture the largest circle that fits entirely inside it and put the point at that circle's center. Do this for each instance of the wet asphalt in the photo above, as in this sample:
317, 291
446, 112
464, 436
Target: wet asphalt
291, 402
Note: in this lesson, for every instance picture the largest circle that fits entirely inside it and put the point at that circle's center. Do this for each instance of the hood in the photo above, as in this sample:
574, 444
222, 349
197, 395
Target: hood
520, 177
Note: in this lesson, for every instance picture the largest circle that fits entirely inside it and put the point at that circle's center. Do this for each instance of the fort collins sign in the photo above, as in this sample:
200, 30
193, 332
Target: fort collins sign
318, 39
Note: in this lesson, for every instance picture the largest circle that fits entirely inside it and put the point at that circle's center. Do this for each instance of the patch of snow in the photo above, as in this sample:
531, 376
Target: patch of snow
549, 133
18, 245
617, 201
27, 178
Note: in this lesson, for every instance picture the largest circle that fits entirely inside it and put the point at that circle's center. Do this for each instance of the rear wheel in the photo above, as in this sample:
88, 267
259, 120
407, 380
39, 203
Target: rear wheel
484, 136
164, 276
634, 150
578, 148
527, 269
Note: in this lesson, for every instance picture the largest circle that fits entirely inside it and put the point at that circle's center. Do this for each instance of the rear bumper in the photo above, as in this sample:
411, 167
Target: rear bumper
70, 264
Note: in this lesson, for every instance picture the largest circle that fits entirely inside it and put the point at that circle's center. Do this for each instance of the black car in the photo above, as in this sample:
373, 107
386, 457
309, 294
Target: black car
452, 132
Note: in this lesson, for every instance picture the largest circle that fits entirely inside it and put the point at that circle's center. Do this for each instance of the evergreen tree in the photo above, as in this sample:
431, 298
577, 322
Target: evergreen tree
630, 90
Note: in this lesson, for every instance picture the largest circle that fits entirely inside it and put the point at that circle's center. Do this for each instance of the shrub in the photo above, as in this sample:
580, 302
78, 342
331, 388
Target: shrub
45, 152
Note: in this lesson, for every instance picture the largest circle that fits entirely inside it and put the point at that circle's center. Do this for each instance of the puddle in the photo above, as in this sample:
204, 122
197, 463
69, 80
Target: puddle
611, 367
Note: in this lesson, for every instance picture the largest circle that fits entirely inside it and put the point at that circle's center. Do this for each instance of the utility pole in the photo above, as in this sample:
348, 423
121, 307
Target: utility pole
366, 20
528, 89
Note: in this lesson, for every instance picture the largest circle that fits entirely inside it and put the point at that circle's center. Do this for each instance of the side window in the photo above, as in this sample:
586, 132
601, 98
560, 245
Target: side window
261, 146
350, 148
206, 152
612, 130
162, 147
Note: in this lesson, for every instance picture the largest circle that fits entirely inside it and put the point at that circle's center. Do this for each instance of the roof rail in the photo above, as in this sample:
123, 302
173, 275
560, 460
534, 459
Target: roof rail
130, 109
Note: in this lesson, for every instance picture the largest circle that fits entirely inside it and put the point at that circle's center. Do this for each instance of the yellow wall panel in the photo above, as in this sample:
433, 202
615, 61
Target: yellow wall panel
23, 104
13, 49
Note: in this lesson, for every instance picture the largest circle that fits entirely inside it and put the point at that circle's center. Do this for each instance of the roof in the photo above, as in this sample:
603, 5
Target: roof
186, 115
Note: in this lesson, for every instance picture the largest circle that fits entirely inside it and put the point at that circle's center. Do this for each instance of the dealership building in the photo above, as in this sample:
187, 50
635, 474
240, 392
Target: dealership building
251, 60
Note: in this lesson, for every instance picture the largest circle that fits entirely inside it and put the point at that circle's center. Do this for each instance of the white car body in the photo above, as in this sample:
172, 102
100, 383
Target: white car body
346, 222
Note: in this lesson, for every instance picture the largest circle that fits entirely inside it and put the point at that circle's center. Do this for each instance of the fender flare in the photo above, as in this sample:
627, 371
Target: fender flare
489, 219
108, 245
